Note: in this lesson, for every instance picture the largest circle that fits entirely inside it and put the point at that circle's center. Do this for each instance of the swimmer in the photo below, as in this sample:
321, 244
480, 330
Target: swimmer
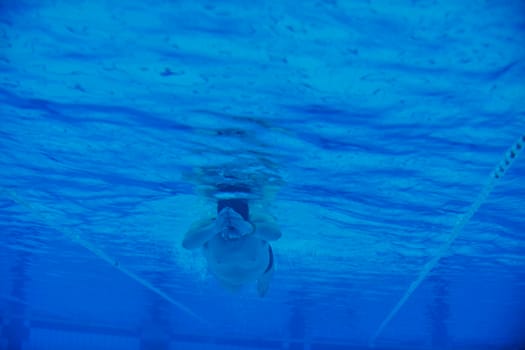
236, 245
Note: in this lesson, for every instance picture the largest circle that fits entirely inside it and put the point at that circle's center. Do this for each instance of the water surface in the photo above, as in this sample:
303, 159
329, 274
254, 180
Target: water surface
366, 128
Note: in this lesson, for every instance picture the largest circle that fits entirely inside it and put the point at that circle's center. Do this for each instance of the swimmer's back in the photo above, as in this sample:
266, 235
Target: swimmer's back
237, 261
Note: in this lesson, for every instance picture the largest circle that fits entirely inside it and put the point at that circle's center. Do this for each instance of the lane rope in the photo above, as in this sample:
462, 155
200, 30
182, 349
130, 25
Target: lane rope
75, 237
497, 173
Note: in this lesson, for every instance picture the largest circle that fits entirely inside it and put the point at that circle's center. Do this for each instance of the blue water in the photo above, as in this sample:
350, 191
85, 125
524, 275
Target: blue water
367, 128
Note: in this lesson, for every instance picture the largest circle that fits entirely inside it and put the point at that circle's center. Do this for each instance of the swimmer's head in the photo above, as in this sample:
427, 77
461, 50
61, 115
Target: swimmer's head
231, 225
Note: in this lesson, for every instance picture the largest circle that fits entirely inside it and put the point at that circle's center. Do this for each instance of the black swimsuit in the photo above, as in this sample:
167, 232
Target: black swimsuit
270, 263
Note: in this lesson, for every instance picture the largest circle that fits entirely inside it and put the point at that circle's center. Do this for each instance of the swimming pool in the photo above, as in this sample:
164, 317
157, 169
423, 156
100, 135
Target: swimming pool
373, 132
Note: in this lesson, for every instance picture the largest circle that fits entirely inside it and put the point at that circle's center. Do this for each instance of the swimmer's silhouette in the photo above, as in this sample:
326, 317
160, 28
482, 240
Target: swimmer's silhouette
235, 244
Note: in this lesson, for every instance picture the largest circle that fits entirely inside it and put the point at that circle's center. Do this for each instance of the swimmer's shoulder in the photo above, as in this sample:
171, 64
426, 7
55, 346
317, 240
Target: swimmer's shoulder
266, 226
199, 233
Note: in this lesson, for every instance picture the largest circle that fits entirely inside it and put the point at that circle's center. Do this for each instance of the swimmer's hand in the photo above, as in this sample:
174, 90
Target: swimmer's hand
231, 225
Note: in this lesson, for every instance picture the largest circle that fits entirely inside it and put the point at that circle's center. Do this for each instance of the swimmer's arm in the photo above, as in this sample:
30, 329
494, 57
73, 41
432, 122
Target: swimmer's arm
199, 233
266, 228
